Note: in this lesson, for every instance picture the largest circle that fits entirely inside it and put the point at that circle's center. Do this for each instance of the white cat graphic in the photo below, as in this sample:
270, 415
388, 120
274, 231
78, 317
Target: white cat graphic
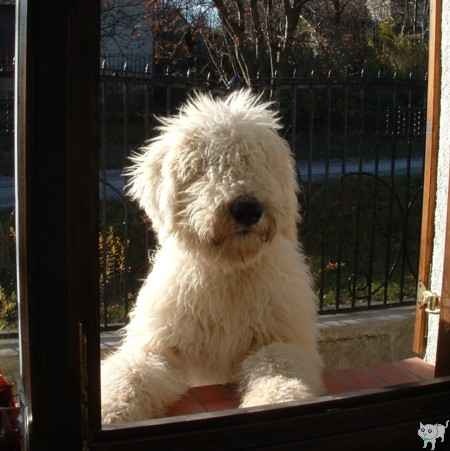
430, 432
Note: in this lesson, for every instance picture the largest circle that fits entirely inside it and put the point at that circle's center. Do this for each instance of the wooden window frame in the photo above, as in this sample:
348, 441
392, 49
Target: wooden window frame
57, 184
430, 173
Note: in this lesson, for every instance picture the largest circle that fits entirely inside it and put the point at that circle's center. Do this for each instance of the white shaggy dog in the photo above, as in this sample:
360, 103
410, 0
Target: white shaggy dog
229, 296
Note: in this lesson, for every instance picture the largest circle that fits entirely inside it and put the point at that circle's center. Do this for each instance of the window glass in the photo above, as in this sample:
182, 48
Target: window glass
9, 347
349, 83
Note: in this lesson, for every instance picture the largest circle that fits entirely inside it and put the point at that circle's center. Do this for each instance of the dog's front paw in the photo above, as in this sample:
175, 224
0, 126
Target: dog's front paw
121, 400
138, 387
280, 373
275, 389
113, 415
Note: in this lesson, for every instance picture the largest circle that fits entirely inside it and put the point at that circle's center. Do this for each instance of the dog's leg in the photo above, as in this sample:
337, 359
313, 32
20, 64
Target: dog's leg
280, 372
137, 386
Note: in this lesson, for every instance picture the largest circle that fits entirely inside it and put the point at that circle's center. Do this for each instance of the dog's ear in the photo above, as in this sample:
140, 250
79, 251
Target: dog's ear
145, 181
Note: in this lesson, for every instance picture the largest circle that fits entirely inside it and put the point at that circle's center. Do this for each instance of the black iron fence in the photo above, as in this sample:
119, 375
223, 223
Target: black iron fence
359, 144
134, 64
6, 115
6, 65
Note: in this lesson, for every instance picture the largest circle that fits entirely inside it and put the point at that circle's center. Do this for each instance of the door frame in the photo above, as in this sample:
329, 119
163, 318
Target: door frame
430, 172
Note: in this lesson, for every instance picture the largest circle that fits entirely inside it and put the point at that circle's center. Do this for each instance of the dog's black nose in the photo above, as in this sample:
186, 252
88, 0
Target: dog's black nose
246, 210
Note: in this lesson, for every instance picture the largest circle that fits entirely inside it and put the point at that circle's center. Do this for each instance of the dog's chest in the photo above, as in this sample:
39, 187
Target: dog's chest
220, 323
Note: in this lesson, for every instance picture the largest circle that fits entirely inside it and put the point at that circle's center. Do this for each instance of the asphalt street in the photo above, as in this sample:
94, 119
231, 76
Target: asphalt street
314, 171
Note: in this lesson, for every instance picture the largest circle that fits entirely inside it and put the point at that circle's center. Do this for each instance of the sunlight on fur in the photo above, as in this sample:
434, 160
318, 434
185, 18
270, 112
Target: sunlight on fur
229, 297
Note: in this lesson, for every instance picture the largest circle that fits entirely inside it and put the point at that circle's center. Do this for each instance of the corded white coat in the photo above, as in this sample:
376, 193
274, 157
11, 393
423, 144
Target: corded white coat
222, 303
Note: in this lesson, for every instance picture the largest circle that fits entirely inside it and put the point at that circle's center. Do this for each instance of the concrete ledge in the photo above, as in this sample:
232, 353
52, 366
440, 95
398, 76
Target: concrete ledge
362, 339
358, 339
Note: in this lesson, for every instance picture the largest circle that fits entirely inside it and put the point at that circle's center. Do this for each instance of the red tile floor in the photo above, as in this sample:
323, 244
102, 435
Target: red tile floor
220, 397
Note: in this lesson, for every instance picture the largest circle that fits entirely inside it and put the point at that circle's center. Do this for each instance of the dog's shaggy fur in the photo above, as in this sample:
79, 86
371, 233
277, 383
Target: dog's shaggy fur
223, 302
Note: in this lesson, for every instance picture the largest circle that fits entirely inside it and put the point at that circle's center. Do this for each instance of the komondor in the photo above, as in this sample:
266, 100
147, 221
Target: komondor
229, 296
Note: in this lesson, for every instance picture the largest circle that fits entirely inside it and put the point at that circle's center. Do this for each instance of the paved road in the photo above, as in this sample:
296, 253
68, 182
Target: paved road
317, 171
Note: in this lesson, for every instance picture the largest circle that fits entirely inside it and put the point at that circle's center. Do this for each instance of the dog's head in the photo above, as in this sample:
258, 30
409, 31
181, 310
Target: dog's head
219, 178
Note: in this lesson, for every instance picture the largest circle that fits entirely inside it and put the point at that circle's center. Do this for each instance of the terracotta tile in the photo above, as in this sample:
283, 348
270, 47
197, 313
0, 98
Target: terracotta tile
413, 376
418, 367
186, 405
354, 379
391, 374
222, 397
206, 398
222, 404
338, 381
332, 386
233, 392
210, 393
365, 378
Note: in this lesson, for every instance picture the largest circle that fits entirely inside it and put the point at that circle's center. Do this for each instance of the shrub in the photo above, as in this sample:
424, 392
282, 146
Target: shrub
398, 51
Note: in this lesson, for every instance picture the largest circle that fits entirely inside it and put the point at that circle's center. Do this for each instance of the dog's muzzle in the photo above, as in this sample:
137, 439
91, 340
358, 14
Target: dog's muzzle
246, 210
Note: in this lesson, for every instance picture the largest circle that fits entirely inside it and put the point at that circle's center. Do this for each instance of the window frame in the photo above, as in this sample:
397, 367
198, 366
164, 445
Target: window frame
430, 173
56, 185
